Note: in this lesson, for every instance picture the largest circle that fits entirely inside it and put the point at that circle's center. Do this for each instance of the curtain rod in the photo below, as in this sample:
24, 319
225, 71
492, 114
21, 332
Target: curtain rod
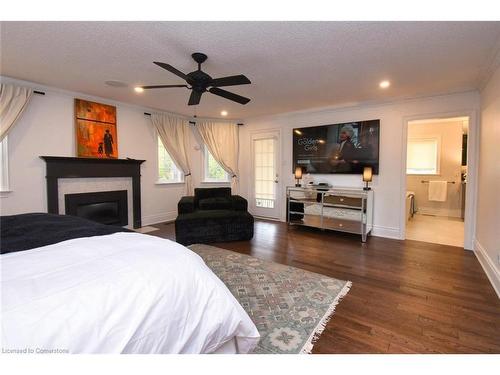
145, 113
191, 122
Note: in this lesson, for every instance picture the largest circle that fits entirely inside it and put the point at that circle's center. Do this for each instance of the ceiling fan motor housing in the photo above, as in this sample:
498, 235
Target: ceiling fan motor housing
199, 80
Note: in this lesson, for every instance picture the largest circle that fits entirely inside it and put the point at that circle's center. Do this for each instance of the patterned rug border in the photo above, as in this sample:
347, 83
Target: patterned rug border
321, 326
316, 334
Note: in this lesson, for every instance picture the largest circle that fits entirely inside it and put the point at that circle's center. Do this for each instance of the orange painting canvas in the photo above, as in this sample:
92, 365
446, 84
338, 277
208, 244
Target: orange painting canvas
95, 130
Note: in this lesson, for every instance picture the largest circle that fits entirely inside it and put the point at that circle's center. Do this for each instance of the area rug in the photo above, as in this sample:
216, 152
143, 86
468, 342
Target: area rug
289, 306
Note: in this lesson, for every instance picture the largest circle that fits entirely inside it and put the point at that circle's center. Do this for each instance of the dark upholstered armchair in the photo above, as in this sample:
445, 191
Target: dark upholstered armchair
213, 215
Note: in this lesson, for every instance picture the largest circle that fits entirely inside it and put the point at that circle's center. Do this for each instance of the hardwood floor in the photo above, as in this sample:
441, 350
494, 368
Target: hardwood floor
407, 296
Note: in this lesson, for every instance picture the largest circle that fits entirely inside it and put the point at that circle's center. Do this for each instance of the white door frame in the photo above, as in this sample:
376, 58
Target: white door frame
279, 193
472, 170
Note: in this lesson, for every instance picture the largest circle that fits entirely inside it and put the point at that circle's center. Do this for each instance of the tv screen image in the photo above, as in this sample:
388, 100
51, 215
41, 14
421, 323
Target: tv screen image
338, 148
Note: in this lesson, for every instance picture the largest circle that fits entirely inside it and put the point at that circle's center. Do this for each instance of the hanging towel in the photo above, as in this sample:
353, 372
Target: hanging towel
437, 191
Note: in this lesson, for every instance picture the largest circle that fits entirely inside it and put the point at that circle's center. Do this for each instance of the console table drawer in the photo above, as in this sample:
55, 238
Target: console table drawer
339, 199
341, 224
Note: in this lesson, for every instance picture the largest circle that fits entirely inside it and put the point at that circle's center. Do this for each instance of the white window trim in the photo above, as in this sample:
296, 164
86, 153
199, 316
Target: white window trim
159, 181
5, 184
211, 181
438, 155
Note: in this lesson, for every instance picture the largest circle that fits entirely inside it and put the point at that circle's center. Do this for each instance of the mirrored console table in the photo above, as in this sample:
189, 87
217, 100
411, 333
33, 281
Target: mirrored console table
342, 209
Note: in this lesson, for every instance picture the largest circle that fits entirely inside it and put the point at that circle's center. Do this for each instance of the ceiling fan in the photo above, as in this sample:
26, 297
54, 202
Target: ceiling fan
200, 82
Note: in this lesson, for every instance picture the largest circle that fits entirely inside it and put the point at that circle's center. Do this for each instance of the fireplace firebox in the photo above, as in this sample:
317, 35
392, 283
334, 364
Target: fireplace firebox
105, 207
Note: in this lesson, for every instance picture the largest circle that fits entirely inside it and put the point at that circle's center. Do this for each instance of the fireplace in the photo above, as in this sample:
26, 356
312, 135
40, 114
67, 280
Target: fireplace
105, 207
58, 167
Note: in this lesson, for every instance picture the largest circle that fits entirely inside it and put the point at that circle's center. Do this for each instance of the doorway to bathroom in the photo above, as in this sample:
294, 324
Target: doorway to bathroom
436, 180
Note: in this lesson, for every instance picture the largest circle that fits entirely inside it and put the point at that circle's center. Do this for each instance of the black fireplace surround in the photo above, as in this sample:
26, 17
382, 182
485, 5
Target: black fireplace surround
105, 207
69, 167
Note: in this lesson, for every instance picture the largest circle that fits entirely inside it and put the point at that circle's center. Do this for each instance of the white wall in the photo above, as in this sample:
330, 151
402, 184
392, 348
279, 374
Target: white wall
388, 184
450, 136
47, 128
488, 205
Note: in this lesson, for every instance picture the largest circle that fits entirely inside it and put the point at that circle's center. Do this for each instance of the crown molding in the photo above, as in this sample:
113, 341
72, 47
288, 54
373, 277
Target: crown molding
359, 105
492, 64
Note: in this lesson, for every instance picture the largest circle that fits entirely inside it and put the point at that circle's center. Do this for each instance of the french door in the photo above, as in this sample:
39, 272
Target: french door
266, 187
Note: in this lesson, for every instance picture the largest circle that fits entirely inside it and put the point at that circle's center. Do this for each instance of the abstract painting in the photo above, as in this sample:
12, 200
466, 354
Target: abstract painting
95, 130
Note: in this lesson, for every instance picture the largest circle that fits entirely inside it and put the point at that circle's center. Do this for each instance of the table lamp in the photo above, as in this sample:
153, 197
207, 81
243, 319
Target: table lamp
367, 176
298, 175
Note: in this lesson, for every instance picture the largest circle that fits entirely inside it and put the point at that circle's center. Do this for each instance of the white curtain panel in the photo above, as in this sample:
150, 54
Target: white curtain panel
174, 134
222, 140
13, 100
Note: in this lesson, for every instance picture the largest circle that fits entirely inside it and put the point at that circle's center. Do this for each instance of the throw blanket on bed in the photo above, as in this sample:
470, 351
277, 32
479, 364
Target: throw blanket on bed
29, 231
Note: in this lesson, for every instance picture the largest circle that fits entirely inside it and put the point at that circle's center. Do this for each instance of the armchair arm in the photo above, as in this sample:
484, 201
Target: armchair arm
185, 205
239, 203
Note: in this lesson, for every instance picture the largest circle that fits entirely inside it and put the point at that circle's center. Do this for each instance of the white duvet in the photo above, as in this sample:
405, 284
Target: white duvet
120, 293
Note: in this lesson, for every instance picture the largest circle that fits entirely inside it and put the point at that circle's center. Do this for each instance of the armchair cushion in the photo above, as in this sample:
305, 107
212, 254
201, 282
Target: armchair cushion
186, 205
216, 203
239, 203
202, 193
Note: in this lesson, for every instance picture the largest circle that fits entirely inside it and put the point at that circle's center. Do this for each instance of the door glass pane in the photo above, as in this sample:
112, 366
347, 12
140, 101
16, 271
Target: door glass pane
265, 172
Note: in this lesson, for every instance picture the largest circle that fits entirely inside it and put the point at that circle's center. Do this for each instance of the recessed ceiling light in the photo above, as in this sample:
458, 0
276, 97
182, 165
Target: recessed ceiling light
138, 89
223, 113
384, 84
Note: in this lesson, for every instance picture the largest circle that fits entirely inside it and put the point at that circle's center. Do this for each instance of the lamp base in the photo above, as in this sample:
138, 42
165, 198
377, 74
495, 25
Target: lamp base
298, 185
367, 188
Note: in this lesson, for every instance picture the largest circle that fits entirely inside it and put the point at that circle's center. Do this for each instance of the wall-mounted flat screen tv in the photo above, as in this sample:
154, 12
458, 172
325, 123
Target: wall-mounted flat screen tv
339, 148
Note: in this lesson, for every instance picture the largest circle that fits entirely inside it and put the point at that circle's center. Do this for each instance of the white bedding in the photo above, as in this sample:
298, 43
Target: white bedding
120, 293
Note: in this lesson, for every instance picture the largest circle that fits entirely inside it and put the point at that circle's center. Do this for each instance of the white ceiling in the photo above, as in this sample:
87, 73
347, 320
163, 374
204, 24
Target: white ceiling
292, 65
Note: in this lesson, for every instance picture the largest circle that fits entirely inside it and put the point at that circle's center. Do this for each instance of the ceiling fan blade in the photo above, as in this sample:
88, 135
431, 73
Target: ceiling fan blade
171, 69
195, 97
230, 81
162, 86
229, 95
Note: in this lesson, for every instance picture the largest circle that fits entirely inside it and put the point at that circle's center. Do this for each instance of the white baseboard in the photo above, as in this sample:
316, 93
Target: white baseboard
439, 212
269, 218
159, 218
377, 231
488, 266
386, 232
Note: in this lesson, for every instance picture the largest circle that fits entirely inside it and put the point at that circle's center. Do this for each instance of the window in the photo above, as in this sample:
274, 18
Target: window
168, 172
422, 156
4, 166
213, 171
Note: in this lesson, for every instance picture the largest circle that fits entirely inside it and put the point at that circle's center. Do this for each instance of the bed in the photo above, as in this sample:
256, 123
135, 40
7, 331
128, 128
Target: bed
74, 286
